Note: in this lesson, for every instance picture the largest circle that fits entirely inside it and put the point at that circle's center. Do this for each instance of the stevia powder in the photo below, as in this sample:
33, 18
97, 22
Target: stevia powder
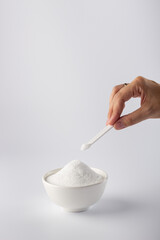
75, 174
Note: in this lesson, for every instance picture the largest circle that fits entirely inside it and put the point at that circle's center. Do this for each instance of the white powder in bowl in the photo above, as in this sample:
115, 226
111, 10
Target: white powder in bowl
75, 174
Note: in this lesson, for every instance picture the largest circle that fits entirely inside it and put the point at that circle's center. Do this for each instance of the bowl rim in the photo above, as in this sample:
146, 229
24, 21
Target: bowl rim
105, 178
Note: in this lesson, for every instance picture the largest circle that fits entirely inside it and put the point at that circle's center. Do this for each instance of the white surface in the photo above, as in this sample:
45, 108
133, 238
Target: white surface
96, 138
58, 63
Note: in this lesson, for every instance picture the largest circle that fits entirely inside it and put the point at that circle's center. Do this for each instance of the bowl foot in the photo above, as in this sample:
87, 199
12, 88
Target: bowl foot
75, 210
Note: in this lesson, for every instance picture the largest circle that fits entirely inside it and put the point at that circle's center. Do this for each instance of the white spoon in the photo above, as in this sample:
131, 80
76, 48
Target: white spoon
94, 139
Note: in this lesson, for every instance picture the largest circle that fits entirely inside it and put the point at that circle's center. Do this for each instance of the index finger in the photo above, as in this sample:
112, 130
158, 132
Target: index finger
114, 91
123, 95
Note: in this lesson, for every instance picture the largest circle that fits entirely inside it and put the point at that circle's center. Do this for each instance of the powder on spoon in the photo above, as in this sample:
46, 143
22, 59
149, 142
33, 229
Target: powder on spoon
75, 174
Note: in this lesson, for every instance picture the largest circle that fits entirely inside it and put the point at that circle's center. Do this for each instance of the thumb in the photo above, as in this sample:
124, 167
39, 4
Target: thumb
130, 119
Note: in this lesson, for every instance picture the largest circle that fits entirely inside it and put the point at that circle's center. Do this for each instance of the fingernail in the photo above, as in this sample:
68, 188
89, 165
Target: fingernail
110, 119
119, 125
107, 121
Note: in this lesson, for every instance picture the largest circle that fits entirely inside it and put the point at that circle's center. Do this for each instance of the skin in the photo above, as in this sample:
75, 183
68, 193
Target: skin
147, 90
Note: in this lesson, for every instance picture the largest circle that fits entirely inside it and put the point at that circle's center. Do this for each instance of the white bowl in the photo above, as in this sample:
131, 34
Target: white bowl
75, 199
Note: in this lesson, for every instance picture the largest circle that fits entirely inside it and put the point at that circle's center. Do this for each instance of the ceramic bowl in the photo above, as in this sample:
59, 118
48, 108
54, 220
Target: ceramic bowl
75, 199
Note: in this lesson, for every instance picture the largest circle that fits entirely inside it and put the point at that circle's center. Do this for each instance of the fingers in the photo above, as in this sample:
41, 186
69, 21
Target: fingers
147, 90
113, 93
131, 119
118, 103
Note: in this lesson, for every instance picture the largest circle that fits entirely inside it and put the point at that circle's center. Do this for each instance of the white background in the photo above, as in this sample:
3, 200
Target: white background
59, 61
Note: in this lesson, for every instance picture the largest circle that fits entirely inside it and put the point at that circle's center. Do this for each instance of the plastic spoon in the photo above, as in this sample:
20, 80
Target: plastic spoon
94, 139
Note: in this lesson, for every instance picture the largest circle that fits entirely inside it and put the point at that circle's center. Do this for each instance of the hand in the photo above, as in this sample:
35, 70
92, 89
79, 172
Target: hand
147, 90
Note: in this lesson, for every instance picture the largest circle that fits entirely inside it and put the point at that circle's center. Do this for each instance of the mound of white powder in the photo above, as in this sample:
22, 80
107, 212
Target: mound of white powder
75, 174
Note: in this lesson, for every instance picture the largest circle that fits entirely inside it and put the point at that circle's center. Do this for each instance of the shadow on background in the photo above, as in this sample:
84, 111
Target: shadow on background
115, 206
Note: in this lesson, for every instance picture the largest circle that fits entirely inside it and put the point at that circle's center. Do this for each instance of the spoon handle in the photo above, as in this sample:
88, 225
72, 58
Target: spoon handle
100, 134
